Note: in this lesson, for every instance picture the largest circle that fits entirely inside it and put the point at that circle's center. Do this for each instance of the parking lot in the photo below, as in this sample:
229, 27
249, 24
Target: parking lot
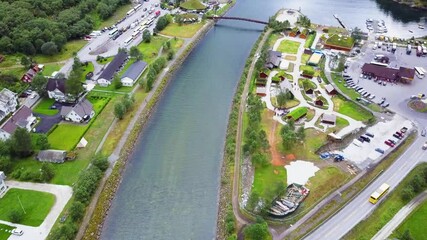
364, 154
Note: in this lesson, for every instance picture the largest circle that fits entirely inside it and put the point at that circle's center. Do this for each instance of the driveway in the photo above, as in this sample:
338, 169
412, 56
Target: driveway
47, 122
62, 196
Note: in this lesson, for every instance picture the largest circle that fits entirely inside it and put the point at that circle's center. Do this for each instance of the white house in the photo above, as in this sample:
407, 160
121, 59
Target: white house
81, 112
3, 186
8, 102
22, 118
133, 73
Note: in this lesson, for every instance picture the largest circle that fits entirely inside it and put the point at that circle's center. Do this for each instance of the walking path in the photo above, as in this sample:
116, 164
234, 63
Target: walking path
400, 216
62, 196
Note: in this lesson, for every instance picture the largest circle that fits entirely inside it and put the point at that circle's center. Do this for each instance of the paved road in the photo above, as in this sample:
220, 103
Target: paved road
388, 229
359, 208
62, 196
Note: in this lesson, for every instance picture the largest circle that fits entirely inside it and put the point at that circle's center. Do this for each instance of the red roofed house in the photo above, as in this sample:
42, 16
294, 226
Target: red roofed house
23, 118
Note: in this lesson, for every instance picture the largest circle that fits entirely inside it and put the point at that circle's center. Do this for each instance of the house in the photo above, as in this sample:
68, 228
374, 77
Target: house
133, 73
274, 59
261, 91
23, 118
81, 112
315, 59
384, 73
330, 89
8, 102
3, 187
56, 89
52, 156
319, 102
263, 75
29, 75
329, 119
113, 67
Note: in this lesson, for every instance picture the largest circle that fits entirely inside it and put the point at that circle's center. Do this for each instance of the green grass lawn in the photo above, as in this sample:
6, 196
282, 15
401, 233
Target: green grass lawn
11, 60
304, 58
87, 69
339, 40
386, 210
266, 178
288, 46
289, 103
67, 52
105, 60
50, 68
36, 205
309, 41
415, 223
272, 39
151, 50
306, 150
339, 81
350, 109
192, 5
183, 31
5, 231
43, 107
110, 87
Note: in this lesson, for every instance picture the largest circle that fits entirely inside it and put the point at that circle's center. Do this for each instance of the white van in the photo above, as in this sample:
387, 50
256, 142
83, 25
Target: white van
129, 40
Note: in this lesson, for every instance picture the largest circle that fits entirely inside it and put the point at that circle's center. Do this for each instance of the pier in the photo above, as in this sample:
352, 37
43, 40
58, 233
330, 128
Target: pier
339, 21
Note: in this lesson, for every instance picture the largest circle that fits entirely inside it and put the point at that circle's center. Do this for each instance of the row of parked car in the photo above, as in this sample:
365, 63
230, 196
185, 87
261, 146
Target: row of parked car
397, 136
350, 84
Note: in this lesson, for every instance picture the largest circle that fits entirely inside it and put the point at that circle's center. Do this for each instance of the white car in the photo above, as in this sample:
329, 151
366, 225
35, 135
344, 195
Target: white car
17, 232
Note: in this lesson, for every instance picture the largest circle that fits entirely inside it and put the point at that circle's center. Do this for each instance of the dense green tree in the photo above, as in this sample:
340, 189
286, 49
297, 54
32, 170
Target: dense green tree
135, 53
77, 210
100, 162
49, 48
46, 172
146, 36
257, 231
39, 84
407, 193
406, 235
162, 22
418, 183
41, 142
21, 143
116, 82
119, 110
5, 164
16, 216
103, 10
25, 61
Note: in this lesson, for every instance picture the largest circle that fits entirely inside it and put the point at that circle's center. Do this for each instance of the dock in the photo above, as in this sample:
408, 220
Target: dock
339, 21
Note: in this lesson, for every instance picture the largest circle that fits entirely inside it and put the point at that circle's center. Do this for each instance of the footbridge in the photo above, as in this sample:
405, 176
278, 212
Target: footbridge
239, 19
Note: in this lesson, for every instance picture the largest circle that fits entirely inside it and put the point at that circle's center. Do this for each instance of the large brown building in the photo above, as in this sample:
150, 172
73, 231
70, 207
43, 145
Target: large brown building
402, 74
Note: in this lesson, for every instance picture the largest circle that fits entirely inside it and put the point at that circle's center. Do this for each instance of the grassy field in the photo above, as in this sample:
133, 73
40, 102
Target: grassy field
415, 223
350, 109
304, 58
5, 231
43, 107
385, 211
272, 39
192, 5
289, 103
151, 50
183, 31
306, 150
287, 46
266, 178
35, 211
69, 49
309, 41
50, 68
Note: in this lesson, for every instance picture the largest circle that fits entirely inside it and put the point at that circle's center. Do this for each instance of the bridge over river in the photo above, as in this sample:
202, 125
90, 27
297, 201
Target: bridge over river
239, 19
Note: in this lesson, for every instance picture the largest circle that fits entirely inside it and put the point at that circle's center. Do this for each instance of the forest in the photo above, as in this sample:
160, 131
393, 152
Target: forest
44, 26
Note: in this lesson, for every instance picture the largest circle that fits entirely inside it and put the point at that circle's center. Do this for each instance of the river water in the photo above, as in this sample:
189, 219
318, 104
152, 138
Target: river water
170, 185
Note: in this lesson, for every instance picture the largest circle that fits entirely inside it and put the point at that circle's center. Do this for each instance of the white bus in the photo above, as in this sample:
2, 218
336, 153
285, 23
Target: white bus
128, 41
130, 12
137, 7
113, 32
420, 72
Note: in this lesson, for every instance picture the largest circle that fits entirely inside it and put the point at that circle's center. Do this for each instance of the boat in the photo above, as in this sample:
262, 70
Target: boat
369, 20
410, 31
420, 27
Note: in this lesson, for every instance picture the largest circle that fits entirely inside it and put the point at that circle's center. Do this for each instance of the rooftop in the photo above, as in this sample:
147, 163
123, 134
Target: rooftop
82, 108
114, 66
135, 70
18, 119
56, 83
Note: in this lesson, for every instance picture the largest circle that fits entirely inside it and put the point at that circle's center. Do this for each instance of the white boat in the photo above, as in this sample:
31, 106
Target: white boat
421, 27
410, 31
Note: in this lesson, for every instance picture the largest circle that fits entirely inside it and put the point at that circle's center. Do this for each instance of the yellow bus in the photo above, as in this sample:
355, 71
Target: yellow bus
379, 193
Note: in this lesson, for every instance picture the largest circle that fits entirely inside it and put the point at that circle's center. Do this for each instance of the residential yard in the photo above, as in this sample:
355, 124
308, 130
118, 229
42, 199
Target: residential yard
385, 211
5, 231
183, 31
87, 69
36, 205
288, 46
351, 109
415, 223
43, 107
105, 60
151, 50
69, 49
50, 68
266, 178
339, 40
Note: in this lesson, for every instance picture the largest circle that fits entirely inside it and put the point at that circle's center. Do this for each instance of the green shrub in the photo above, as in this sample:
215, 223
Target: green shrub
16, 216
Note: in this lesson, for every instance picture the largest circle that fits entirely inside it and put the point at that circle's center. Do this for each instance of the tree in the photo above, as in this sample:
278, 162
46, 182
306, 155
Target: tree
171, 54
281, 99
21, 143
253, 201
46, 172
103, 10
406, 235
119, 110
73, 85
162, 22
41, 142
25, 61
288, 137
5, 164
259, 159
167, 45
16, 216
49, 48
357, 33
257, 231
301, 133
77, 210
418, 183
100, 162
146, 36
39, 84
135, 53
116, 82
407, 193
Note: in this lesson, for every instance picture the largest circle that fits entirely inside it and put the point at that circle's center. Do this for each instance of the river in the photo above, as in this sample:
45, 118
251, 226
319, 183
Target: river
170, 185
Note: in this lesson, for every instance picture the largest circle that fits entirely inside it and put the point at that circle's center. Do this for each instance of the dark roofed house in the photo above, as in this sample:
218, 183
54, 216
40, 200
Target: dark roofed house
113, 67
53, 156
274, 59
56, 89
330, 89
81, 112
133, 73
23, 118
402, 74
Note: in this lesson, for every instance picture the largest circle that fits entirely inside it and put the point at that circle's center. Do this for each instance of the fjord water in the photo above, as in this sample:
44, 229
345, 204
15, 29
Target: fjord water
170, 186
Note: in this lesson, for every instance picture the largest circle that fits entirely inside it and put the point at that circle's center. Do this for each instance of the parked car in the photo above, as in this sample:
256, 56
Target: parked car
366, 139
17, 232
403, 130
392, 141
424, 146
372, 96
387, 142
360, 139
369, 135
423, 132
396, 136
379, 150
384, 105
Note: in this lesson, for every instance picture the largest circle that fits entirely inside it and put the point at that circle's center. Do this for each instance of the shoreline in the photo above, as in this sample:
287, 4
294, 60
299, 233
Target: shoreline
411, 6
113, 177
